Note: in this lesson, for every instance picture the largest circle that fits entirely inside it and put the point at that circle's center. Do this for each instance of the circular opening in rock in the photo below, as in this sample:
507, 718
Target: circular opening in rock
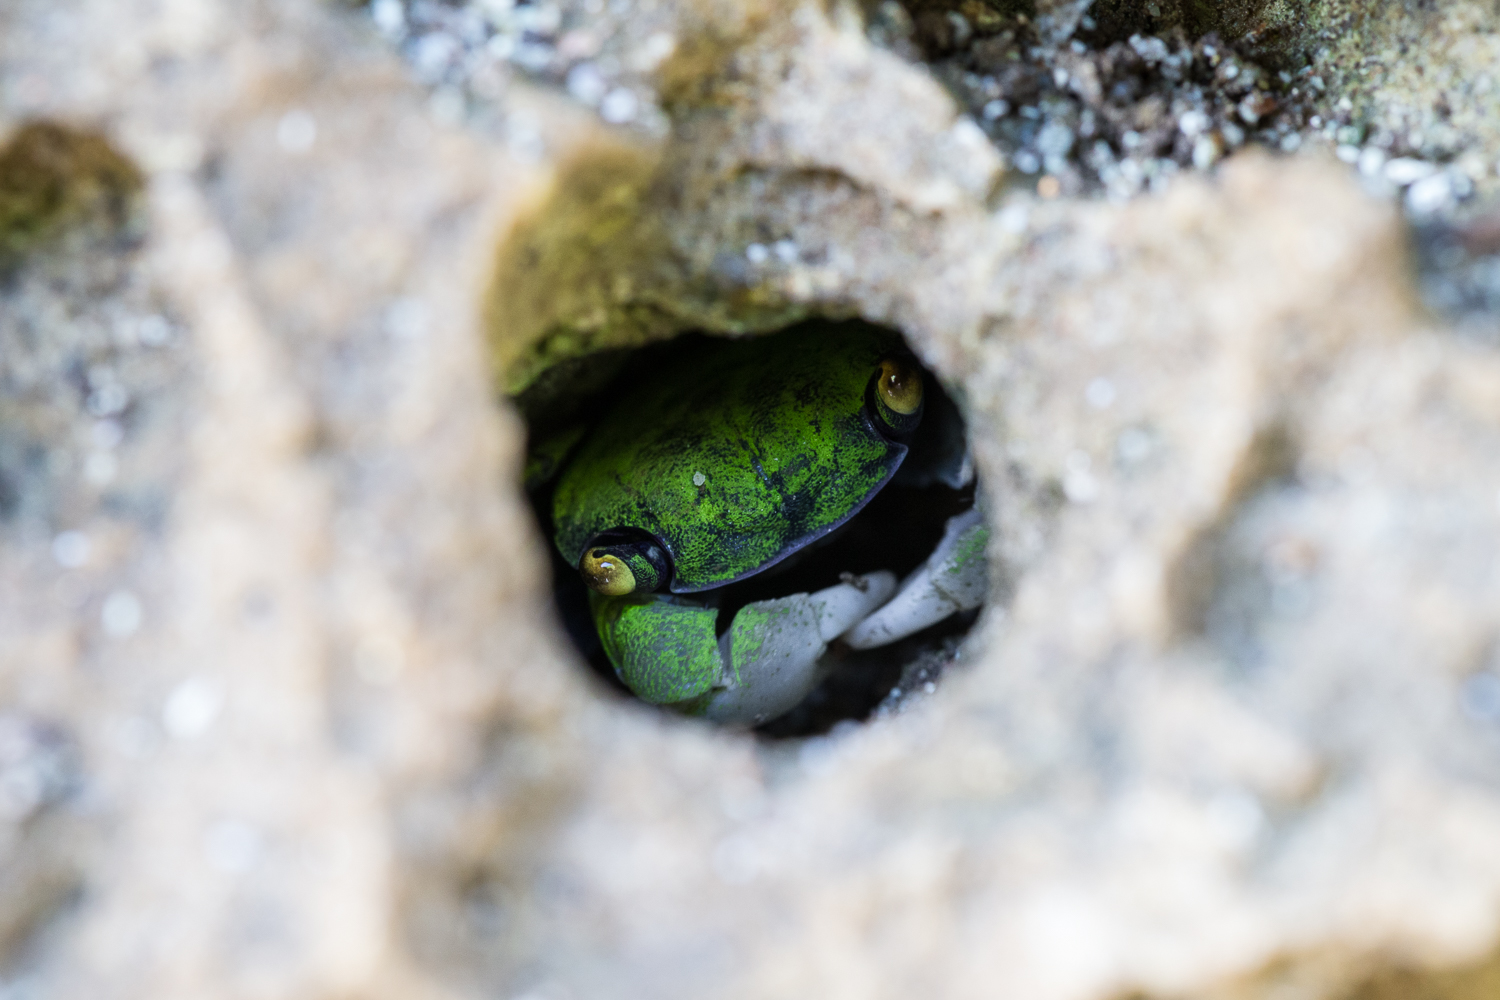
802, 553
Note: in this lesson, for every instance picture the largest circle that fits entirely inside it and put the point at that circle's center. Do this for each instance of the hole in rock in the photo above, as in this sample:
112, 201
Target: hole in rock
795, 513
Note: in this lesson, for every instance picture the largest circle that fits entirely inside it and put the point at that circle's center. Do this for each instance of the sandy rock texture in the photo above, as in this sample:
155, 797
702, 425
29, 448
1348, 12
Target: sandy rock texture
286, 711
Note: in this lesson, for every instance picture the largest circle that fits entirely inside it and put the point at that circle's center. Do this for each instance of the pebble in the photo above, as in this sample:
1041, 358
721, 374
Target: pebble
70, 549
465, 49
619, 106
1405, 170
1429, 195
121, 614
192, 708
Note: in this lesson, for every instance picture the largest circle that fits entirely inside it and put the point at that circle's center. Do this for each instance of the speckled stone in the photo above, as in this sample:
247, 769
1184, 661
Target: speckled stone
286, 710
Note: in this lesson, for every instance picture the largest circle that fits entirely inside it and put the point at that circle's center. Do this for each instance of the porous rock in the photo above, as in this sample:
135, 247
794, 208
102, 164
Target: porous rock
287, 711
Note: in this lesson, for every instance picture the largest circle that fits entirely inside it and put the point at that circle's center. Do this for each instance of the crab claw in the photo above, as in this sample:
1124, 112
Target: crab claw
771, 650
953, 579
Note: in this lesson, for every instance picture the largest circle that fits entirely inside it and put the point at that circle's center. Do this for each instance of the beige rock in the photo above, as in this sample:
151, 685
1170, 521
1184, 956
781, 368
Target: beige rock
287, 712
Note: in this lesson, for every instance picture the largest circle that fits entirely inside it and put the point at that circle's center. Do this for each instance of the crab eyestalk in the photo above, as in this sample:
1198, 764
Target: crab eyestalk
620, 568
897, 394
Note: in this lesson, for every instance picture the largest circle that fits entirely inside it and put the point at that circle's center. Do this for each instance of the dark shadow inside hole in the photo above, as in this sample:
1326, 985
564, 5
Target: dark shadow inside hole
896, 531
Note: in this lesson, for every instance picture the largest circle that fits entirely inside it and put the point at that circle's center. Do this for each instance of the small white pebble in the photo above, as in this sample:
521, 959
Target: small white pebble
108, 400
786, 251
539, 18
756, 253
1349, 154
121, 614
586, 83
1406, 170
1238, 816
154, 331
1430, 195
390, 16
1079, 484
1205, 152
1055, 139
1134, 445
619, 106
501, 47
192, 708
995, 109
1371, 161
296, 132
1013, 218
100, 468
432, 54
70, 549
1193, 123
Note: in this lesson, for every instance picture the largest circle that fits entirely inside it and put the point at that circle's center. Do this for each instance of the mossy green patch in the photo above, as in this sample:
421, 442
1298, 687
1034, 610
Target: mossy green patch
971, 548
51, 177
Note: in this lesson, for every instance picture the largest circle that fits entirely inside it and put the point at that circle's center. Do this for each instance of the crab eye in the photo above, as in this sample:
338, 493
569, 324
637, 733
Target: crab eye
616, 565
900, 386
897, 395
606, 573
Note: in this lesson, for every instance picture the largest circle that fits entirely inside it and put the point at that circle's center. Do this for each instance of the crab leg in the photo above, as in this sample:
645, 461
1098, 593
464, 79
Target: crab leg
663, 647
953, 579
771, 650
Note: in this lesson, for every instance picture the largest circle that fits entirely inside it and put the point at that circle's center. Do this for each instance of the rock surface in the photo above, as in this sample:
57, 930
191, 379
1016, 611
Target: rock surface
286, 710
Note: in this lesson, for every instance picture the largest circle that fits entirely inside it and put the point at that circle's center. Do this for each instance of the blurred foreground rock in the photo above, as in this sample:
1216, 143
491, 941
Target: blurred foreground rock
286, 711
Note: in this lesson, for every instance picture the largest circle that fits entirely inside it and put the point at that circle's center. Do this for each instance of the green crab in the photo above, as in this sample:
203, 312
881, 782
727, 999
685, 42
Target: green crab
719, 465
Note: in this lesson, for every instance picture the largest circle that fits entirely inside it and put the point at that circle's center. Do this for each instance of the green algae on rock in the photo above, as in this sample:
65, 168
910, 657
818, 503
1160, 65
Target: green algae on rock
51, 176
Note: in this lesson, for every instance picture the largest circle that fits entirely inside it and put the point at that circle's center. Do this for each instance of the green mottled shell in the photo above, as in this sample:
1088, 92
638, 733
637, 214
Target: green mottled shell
736, 455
